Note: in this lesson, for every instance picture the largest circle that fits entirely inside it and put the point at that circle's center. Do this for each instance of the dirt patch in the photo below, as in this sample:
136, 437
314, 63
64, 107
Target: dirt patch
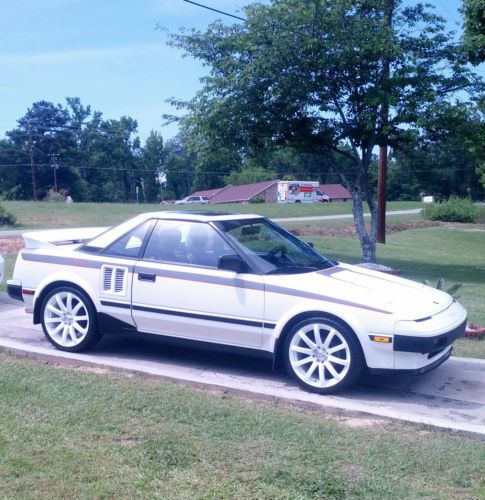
11, 245
350, 229
353, 473
356, 422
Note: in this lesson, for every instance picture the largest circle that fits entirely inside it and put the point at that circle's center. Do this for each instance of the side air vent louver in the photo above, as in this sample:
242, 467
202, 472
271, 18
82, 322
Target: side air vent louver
107, 276
113, 280
119, 285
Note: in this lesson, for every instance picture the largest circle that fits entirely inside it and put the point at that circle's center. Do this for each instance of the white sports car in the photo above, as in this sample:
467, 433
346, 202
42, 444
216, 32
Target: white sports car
238, 282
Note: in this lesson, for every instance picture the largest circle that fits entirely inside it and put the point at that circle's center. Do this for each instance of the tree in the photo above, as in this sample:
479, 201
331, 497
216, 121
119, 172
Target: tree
474, 30
249, 175
153, 157
179, 165
442, 156
317, 75
110, 161
98, 158
42, 131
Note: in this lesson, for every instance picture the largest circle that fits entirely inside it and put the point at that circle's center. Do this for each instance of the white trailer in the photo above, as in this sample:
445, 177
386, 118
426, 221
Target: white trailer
297, 191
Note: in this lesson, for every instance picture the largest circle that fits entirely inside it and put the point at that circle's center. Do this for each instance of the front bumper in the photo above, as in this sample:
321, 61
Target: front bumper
428, 344
412, 371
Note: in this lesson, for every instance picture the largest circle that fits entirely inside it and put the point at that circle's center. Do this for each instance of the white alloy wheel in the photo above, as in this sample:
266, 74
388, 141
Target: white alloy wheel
68, 319
322, 355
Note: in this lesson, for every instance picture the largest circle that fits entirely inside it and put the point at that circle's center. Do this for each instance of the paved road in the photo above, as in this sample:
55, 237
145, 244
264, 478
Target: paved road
18, 232
344, 216
452, 396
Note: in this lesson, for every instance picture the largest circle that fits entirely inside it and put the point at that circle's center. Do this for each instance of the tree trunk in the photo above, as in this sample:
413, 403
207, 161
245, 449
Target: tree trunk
367, 242
361, 191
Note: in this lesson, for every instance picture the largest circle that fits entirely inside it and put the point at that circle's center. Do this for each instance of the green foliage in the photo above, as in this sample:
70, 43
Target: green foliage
257, 200
440, 285
54, 197
249, 175
452, 210
99, 160
442, 156
474, 34
313, 76
6, 218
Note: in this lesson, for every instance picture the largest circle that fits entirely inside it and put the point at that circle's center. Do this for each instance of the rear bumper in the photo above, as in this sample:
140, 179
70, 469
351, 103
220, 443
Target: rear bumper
14, 290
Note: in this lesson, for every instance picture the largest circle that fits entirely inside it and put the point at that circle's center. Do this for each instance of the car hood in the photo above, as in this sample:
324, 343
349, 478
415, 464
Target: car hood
366, 289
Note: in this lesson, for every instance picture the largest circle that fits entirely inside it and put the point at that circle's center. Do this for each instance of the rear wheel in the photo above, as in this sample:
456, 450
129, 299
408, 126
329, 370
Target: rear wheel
69, 320
323, 355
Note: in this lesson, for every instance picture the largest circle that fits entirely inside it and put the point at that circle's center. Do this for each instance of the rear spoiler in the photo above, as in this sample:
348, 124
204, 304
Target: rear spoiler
55, 237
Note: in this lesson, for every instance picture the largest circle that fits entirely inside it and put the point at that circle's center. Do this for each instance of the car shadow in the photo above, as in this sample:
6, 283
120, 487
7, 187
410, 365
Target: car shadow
151, 348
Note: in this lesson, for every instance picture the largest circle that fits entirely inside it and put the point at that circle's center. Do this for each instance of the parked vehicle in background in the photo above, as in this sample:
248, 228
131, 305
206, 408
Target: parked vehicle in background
236, 281
192, 199
321, 196
298, 192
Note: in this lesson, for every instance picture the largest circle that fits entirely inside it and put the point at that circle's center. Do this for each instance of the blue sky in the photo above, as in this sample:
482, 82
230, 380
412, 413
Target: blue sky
108, 53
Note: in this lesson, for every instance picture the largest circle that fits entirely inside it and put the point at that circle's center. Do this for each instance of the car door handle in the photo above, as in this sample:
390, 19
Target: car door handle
146, 277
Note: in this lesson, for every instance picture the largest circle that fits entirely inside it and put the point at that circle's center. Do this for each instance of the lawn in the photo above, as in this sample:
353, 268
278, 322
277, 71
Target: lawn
68, 433
47, 215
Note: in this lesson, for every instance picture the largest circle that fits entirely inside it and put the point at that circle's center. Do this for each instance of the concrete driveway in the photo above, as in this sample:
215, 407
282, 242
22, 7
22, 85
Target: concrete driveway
451, 397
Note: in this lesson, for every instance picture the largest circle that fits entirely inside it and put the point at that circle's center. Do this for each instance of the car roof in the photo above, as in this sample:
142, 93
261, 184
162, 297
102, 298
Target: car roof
198, 215
116, 232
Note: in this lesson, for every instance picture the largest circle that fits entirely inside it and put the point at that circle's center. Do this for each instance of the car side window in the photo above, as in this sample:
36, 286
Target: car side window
130, 244
183, 242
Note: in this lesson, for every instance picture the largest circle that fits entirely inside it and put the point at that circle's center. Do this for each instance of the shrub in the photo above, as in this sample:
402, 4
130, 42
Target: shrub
451, 289
54, 197
6, 218
453, 210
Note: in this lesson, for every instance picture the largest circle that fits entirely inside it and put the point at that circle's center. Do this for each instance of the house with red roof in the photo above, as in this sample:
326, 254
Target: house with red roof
336, 192
267, 191
210, 193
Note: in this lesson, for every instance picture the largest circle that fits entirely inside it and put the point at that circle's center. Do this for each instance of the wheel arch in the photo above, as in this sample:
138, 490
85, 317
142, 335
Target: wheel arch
52, 286
294, 320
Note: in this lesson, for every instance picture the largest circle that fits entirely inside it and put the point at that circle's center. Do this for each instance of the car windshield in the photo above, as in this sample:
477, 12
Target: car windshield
271, 248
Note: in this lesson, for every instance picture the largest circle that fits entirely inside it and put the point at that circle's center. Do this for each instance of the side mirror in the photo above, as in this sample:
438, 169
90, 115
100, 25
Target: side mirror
232, 263
310, 244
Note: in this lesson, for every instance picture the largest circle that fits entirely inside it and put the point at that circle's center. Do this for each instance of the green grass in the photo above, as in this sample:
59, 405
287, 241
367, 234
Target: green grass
74, 434
47, 215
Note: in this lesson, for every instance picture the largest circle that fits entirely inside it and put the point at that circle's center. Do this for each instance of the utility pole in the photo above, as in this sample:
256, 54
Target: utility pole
382, 174
32, 169
55, 166
161, 178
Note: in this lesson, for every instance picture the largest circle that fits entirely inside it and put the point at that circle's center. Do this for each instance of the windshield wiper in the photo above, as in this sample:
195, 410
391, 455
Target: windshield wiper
323, 263
292, 270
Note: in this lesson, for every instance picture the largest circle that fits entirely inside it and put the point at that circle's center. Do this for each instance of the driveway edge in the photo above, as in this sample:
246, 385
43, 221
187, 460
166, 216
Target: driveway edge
333, 405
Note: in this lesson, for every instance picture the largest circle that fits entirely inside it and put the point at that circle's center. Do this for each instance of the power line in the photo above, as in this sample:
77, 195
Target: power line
215, 10
214, 172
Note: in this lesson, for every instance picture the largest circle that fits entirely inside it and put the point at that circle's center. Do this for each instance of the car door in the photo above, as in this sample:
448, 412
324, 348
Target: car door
179, 291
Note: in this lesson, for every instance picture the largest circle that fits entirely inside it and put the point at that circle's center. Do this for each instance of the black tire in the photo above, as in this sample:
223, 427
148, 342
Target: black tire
69, 319
327, 364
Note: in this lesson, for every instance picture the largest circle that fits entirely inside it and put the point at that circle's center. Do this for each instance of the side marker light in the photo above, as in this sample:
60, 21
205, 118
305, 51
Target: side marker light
382, 340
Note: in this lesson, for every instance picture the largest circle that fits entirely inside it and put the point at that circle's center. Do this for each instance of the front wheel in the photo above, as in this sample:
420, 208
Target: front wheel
323, 355
69, 320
